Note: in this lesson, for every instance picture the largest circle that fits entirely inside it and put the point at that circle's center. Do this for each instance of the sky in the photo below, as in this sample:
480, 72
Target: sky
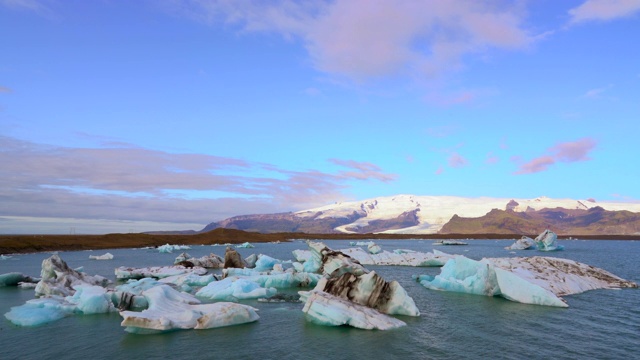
129, 116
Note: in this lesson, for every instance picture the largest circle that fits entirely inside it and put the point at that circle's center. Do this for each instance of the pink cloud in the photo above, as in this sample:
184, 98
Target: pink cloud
568, 152
439, 171
363, 39
364, 170
604, 10
492, 159
457, 161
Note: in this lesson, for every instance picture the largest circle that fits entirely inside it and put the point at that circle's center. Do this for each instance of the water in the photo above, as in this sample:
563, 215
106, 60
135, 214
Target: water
601, 324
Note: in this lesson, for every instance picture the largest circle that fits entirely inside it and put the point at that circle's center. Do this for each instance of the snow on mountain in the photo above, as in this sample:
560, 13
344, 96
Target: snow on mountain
433, 212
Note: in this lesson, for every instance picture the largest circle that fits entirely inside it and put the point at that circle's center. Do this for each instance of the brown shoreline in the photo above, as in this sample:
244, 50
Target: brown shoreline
14, 244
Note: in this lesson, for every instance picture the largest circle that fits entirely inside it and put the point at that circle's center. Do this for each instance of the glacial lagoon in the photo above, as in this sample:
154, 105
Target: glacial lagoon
597, 324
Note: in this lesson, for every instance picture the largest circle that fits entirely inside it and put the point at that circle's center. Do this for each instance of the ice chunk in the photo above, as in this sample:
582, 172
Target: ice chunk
464, 275
186, 281
167, 248
234, 289
450, 242
402, 258
170, 309
283, 280
232, 259
548, 241
266, 262
59, 279
129, 295
302, 255
532, 280
374, 249
212, 261
107, 256
39, 311
372, 291
334, 263
245, 245
325, 309
250, 261
5, 257
157, 272
91, 299
14, 279
524, 243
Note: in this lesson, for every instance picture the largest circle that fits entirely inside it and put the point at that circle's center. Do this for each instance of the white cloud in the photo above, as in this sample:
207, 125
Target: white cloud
604, 10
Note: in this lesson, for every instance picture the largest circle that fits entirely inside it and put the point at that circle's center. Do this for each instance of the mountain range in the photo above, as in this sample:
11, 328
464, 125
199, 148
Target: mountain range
412, 214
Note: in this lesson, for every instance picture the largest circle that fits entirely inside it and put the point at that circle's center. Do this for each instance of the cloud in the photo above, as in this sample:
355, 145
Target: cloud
604, 10
492, 159
457, 161
363, 171
597, 93
4, 89
36, 6
567, 152
134, 183
362, 40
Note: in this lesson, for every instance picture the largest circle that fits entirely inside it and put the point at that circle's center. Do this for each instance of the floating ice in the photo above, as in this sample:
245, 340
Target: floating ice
534, 280
548, 241
333, 263
107, 256
372, 291
129, 295
59, 279
450, 242
232, 259
14, 279
157, 272
325, 309
374, 249
234, 289
5, 257
266, 262
245, 245
302, 255
186, 281
170, 310
277, 280
167, 248
212, 261
524, 243
39, 311
91, 299
402, 258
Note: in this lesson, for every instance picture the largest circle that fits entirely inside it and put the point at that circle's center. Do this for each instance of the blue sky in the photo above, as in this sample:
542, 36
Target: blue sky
121, 116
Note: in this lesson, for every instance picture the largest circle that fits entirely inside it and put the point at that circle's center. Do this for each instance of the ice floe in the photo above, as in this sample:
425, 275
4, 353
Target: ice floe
524, 243
212, 261
234, 289
157, 272
15, 279
530, 280
107, 256
170, 309
57, 278
245, 245
167, 248
548, 241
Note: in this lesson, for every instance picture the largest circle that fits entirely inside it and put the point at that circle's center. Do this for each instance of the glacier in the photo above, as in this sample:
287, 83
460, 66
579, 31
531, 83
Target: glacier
531, 280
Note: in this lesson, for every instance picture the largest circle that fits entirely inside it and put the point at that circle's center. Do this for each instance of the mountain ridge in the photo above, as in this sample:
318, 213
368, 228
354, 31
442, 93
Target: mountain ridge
412, 214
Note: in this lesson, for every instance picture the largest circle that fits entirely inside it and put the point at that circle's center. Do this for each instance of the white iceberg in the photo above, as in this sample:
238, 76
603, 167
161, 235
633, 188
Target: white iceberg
372, 291
332, 263
5, 257
157, 272
401, 258
107, 256
524, 243
245, 245
167, 248
59, 279
374, 248
278, 280
265, 262
532, 280
171, 310
325, 309
212, 261
234, 289
548, 241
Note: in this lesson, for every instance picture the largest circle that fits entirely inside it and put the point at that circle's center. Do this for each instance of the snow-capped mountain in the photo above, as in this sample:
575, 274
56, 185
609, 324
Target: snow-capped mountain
412, 214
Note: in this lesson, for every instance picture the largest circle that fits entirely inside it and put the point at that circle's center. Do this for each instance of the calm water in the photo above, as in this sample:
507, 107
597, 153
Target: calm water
601, 324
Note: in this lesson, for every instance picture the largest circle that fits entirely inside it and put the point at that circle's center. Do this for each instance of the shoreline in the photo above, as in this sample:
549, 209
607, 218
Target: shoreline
20, 244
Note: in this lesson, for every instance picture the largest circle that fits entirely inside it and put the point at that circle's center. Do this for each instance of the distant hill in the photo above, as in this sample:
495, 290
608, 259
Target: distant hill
411, 214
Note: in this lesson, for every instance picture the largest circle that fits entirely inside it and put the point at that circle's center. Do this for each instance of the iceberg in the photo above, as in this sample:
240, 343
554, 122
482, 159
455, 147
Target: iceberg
212, 261
548, 241
374, 249
302, 255
524, 243
5, 257
91, 299
245, 246
281, 280
450, 242
401, 258
171, 310
232, 259
15, 278
37, 312
167, 248
186, 281
531, 280
157, 272
234, 289
325, 309
332, 263
59, 279
372, 291
129, 295
107, 256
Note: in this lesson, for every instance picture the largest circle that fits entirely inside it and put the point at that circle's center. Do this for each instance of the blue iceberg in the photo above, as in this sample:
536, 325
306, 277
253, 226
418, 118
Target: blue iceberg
231, 289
